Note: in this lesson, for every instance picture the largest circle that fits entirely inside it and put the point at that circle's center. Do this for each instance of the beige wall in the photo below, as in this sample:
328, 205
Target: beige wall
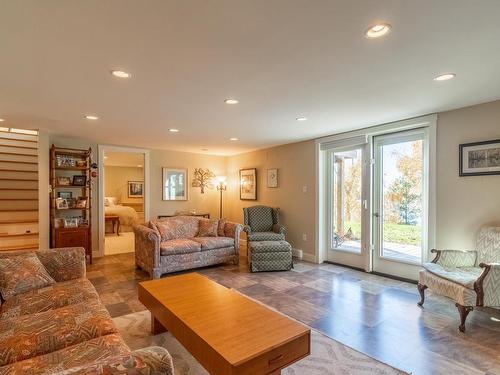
465, 203
116, 182
296, 170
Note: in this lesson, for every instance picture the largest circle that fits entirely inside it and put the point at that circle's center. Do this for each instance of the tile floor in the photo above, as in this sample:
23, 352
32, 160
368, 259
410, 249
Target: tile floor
375, 315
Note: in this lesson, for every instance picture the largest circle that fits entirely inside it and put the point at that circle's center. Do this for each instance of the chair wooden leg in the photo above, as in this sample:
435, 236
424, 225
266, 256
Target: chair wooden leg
463, 311
421, 290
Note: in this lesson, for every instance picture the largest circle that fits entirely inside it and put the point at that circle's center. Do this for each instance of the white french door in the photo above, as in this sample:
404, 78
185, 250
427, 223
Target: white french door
400, 202
347, 205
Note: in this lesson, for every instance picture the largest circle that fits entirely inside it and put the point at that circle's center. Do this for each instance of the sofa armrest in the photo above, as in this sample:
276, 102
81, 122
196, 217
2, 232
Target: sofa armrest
455, 258
234, 230
280, 229
153, 360
247, 229
65, 263
487, 286
147, 248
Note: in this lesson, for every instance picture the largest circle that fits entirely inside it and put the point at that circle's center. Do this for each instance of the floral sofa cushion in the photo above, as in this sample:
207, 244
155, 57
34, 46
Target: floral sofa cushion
49, 298
29, 336
177, 227
179, 246
208, 228
210, 243
98, 350
465, 276
19, 274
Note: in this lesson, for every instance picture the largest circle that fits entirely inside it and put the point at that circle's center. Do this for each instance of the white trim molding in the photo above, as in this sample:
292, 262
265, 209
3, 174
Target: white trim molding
102, 149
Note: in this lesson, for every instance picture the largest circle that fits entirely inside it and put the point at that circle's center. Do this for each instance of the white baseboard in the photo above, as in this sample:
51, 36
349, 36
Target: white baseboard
299, 254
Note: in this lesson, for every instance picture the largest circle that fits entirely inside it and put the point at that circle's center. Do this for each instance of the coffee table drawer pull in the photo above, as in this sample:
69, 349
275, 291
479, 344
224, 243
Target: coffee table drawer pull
274, 360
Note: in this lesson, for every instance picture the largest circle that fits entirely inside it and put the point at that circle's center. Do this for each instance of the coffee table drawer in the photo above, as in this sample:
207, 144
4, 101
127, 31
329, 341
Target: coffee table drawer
276, 358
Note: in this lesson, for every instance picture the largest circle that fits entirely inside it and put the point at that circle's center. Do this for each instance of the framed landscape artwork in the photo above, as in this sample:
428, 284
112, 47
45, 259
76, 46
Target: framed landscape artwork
248, 184
272, 178
480, 158
175, 187
135, 189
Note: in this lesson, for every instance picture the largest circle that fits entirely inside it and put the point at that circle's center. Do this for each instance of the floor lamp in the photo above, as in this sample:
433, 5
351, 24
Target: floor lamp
221, 186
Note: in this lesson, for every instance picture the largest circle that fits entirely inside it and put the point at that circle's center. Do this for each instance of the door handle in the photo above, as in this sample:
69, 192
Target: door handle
376, 214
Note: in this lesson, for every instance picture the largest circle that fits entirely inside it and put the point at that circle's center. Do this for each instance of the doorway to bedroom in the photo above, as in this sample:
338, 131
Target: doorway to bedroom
123, 195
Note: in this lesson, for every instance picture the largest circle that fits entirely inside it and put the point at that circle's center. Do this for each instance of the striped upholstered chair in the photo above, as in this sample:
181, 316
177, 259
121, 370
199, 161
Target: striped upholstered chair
470, 278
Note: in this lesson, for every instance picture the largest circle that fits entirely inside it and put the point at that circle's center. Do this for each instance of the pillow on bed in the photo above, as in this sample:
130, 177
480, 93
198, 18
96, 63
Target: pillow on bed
110, 201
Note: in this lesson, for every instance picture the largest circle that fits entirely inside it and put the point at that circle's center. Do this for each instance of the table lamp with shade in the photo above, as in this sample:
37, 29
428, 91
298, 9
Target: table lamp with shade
221, 186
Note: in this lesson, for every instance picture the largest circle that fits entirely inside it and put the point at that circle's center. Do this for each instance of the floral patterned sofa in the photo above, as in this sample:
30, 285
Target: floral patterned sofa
63, 327
185, 242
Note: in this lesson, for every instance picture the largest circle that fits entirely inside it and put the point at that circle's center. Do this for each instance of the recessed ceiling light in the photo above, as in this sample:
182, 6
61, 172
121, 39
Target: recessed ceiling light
231, 101
301, 118
233, 139
91, 117
378, 30
173, 130
120, 74
2, 120
445, 77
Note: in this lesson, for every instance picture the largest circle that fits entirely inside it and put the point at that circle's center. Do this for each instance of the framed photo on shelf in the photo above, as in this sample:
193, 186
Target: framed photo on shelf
272, 178
135, 189
79, 180
71, 202
58, 223
71, 222
61, 204
83, 222
65, 194
65, 161
248, 184
81, 163
479, 158
81, 202
63, 181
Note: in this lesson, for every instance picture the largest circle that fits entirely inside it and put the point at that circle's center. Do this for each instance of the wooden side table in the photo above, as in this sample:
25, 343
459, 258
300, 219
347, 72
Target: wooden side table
113, 219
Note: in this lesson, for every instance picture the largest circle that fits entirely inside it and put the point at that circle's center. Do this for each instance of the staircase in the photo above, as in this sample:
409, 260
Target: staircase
18, 189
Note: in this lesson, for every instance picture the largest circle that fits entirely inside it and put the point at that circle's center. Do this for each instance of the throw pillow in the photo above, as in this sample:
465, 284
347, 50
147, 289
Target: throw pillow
221, 227
208, 228
20, 274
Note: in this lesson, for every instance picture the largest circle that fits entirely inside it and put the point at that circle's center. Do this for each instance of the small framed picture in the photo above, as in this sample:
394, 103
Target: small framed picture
83, 222
81, 202
58, 223
272, 178
61, 204
65, 161
65, 194
81, 163
71, 222
79, 180
71, 202
63, 181
248, 184
479, 158
135, 189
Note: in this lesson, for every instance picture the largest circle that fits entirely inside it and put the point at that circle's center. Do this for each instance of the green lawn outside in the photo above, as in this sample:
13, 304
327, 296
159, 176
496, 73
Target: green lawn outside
398, 233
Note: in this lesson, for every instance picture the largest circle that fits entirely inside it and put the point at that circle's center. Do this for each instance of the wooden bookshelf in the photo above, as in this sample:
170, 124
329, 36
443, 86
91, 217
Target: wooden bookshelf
61, 235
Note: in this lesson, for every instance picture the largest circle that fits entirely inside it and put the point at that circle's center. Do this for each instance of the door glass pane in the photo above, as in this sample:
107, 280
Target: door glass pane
346, 210
402, 208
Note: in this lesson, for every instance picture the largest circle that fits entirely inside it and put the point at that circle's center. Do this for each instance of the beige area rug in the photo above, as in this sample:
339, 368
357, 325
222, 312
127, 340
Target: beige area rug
327, 356
124, 243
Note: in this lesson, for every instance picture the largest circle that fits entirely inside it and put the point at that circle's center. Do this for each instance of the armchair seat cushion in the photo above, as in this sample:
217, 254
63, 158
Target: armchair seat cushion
211, 243
465, 276
439, 285
266, 236
179, 246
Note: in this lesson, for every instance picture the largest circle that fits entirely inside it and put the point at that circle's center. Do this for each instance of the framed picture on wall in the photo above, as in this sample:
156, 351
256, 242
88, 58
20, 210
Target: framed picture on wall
248, 184
135, 189
272, 178
479, 158
174, 184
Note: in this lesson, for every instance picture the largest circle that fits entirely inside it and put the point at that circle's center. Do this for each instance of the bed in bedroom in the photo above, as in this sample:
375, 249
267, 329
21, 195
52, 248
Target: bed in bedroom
127, 215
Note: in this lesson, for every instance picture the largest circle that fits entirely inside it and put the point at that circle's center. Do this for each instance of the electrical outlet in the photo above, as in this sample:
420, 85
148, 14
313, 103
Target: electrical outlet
304, 189
304, 237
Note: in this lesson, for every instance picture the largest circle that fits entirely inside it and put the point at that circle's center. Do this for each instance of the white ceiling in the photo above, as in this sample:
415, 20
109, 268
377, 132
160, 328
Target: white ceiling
280, 58
124, 159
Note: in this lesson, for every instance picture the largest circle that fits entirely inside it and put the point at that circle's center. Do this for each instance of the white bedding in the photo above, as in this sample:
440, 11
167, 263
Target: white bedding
127, 215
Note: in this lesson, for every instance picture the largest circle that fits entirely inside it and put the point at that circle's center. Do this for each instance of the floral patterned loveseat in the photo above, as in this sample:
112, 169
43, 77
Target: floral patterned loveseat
185, 242
63, 328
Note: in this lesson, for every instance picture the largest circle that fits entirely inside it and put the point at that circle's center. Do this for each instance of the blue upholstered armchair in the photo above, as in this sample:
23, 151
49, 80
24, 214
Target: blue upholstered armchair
262, 224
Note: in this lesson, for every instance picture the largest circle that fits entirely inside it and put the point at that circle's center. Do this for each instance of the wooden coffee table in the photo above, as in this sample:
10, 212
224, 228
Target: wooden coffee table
225, 331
